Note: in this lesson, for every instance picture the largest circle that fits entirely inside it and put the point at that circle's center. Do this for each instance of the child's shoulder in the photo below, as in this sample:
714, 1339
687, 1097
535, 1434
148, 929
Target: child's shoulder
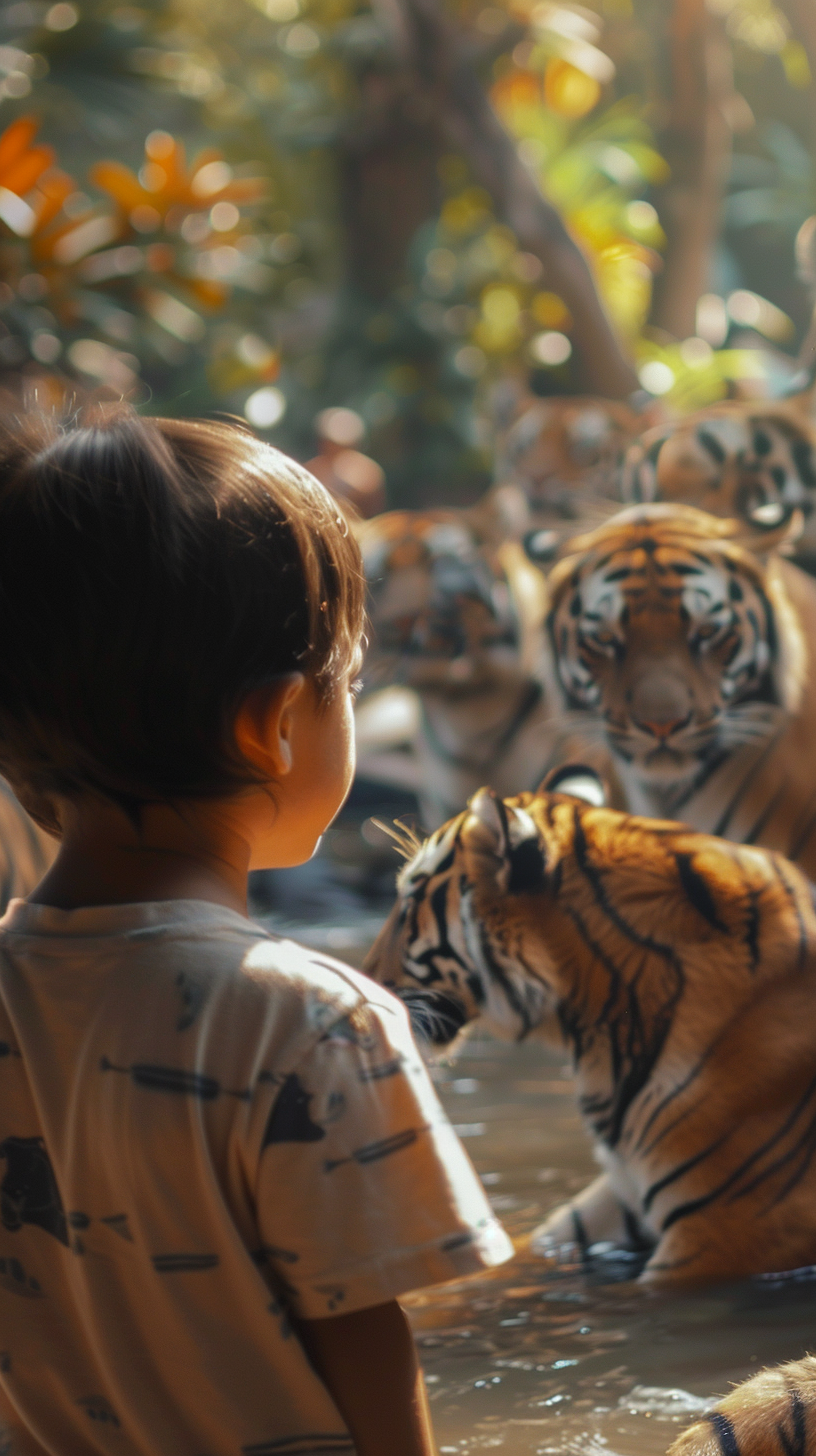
257, 977
227, 969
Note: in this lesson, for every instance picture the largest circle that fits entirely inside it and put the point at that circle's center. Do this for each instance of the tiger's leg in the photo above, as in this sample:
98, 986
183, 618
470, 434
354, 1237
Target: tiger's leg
595, 1216
773, 1414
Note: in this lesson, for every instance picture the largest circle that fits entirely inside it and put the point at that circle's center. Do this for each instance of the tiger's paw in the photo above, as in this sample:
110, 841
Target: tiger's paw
772, 1414
561, 1238
565, 1253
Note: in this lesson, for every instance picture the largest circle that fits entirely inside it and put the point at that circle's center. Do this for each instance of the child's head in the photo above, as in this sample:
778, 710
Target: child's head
153, 575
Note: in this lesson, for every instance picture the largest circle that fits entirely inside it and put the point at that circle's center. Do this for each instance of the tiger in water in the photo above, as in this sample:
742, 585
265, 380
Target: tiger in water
683, 642
668, 962
457, 616
754, 462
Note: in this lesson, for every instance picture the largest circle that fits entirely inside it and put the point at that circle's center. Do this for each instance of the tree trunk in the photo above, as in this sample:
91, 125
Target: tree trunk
697, 146
431, 100
390, 181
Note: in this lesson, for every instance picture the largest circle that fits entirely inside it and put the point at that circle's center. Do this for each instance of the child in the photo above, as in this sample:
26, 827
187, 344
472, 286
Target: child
221, 1156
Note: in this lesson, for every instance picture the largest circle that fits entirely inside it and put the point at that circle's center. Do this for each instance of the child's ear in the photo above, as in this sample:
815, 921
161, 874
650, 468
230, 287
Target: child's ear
263, 725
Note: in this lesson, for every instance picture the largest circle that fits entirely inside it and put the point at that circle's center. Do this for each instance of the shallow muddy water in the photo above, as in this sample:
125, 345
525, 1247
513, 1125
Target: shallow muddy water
529, 1362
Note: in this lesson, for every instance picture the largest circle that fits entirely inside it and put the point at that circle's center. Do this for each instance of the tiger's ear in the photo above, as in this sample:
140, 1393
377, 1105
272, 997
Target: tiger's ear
579, 781
484, 806
506, 825
514, 840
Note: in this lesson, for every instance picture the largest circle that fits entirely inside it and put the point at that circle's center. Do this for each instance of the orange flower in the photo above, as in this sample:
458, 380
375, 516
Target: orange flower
164, 183
31, 190
22, 165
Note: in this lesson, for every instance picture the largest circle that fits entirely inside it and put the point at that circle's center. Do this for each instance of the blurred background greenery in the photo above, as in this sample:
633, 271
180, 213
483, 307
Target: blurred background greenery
272, 207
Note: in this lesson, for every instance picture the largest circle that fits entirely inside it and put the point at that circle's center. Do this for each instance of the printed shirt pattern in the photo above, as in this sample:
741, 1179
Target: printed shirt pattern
204, 1131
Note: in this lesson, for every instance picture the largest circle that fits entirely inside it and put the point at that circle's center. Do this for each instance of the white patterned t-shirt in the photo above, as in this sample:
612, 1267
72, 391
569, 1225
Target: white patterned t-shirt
204, 1130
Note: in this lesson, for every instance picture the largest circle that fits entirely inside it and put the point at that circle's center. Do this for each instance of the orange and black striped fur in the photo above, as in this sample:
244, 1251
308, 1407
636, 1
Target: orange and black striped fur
747, 461
679, 969
458, 617
684, 643
772, 1414
564, 454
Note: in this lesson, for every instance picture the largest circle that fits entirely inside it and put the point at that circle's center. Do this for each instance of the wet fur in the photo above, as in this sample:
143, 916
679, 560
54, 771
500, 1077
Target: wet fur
772, 1414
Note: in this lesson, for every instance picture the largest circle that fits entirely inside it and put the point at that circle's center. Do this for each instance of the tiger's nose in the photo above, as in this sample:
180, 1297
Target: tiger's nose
663, 729
660, 703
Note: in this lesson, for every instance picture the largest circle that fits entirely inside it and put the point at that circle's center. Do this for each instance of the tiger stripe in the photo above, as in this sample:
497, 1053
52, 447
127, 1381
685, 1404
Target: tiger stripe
754, 462
684, 648
662, 956
772, 1414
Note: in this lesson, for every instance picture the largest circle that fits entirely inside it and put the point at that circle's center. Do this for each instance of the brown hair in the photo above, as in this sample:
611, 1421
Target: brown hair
152, 574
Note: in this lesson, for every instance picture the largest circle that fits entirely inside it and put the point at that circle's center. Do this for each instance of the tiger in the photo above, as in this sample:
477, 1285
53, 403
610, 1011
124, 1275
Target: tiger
668, 962
564, 453
772, 1414
457, 616
683, 642
754, 462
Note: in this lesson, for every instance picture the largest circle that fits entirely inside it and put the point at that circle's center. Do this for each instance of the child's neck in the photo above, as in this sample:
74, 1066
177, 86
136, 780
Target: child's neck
189, 852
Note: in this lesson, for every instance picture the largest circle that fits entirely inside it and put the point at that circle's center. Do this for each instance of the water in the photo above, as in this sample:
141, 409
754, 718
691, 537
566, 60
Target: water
531, 1362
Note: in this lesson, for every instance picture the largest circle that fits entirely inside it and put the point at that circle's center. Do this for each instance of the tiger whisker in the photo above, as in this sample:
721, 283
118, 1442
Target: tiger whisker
406, 839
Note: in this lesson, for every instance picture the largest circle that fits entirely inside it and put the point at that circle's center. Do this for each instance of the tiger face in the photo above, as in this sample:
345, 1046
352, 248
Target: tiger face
441, 612
562, 451
753, 463
671, 639
438, 947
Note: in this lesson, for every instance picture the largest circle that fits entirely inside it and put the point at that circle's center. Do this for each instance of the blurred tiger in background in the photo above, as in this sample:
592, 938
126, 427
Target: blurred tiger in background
749, 461
683, 642
669, 962
564, 454
457, 616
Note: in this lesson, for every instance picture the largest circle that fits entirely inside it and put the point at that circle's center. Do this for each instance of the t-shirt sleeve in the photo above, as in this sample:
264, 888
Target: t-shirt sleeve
363, 1189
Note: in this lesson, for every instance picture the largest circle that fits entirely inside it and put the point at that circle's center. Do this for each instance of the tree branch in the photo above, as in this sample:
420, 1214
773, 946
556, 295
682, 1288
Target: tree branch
438, 73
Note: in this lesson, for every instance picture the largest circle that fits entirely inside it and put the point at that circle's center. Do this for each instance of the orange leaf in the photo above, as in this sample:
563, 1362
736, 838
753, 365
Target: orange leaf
54, 190
22, 174
121, 184
175, 165
16, 139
